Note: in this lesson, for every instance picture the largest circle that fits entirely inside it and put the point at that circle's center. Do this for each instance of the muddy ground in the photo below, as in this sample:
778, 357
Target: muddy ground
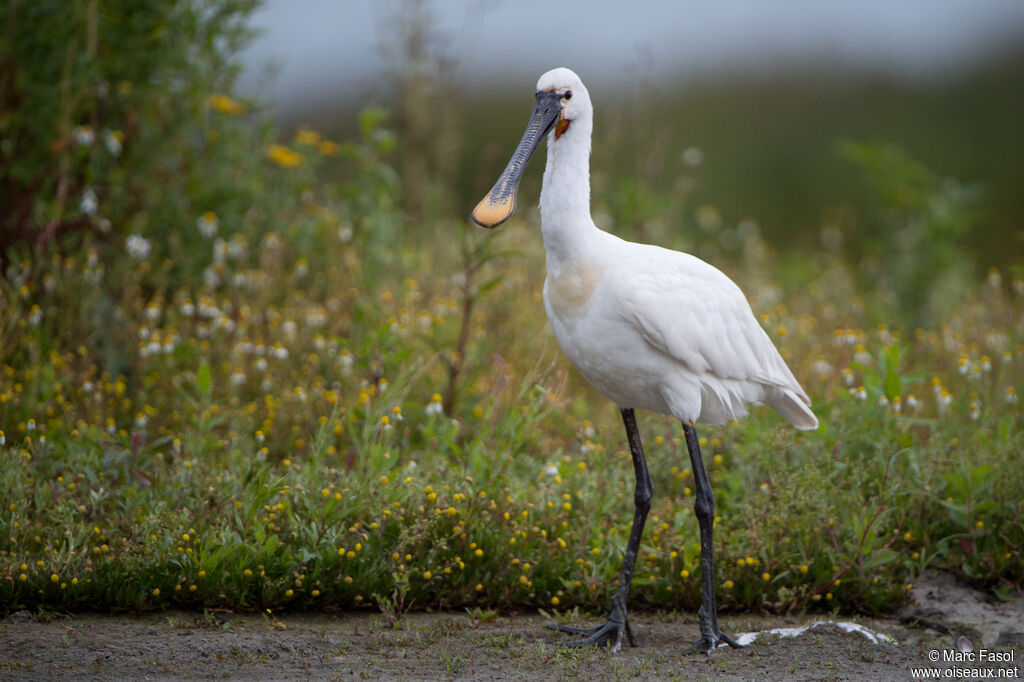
177, 645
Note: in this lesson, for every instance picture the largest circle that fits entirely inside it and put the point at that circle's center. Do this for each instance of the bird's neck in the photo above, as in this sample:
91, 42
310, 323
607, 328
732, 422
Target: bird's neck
565, 193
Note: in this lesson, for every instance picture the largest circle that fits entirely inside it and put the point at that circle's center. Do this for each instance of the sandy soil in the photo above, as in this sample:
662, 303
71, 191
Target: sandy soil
452, 646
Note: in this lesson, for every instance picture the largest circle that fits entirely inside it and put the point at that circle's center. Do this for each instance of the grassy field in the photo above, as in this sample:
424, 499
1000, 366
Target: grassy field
247, 373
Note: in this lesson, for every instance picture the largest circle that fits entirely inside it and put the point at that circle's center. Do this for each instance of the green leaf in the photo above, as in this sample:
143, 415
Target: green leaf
880, 558
203, 379
892, 385
489, 284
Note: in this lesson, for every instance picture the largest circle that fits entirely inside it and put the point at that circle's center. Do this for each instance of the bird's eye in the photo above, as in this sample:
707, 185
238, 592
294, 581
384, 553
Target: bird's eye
567, 95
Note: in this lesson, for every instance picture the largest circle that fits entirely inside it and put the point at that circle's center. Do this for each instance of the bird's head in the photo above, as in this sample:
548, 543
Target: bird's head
572, 95
561, 99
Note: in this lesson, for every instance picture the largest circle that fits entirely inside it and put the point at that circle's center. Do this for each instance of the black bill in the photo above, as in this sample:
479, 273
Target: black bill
500, 202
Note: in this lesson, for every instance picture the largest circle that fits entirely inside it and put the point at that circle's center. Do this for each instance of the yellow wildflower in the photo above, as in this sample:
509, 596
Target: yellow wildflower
284, 157
225, 105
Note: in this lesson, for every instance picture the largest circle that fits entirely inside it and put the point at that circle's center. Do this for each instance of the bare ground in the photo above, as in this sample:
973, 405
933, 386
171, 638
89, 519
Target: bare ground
423, 646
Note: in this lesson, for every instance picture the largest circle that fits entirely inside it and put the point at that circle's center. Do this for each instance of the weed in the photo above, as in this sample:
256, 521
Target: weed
255, 390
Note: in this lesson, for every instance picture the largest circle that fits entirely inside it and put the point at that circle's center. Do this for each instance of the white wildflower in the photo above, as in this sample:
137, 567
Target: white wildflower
83, 136
316, 317
89, 204
434, 407
220, 250
995, 280
237, 247
692, 157
113, 142
211, 278
138, 247
207, 224
964, 365
346, 360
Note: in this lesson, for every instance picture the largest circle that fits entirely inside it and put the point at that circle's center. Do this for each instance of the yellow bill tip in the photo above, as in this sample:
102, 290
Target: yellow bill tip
493, 213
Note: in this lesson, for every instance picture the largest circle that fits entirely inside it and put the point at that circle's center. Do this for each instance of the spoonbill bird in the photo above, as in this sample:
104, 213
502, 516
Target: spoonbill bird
649, 328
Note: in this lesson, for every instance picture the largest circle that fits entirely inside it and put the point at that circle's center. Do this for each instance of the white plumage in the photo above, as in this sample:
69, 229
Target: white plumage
648, 327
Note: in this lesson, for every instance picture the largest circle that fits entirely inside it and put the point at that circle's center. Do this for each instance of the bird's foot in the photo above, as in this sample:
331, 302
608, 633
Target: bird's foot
711, 641
710, 636
607, 634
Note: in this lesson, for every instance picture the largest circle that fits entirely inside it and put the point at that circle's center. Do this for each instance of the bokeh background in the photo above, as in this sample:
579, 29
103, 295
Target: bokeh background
764, 90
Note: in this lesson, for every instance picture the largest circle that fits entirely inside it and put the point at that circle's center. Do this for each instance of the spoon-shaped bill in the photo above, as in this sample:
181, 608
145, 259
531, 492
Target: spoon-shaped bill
500, 203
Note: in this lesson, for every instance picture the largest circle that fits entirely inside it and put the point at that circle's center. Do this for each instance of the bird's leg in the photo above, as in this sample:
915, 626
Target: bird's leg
704, 508
610, 632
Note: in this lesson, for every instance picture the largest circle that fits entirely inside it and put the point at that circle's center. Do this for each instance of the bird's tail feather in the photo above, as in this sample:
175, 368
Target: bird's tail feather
794, 408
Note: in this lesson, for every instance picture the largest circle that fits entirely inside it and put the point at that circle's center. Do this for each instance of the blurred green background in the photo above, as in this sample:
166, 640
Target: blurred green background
763, 90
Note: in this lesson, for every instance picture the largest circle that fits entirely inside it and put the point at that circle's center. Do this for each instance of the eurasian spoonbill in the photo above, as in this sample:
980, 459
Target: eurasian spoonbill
649, 328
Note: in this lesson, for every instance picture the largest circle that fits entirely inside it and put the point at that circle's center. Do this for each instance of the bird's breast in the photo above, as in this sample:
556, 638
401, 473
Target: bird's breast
569, 289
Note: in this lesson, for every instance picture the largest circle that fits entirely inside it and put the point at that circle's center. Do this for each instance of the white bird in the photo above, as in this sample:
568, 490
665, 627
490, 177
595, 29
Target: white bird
648, 327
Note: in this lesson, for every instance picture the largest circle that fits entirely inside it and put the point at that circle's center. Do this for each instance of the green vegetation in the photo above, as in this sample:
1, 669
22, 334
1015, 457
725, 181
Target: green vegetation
240, 376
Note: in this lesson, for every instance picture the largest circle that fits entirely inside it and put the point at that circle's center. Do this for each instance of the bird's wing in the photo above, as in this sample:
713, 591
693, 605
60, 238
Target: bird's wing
693, 313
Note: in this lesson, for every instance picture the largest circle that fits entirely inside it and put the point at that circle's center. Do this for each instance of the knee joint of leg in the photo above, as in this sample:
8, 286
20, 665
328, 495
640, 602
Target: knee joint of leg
642, 496
704, 506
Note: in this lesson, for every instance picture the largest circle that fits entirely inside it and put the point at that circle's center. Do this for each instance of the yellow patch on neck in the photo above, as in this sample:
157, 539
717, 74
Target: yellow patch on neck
561, 127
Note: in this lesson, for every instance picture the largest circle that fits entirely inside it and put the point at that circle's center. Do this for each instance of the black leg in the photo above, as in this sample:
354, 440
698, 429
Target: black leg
704, 508
610, 632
